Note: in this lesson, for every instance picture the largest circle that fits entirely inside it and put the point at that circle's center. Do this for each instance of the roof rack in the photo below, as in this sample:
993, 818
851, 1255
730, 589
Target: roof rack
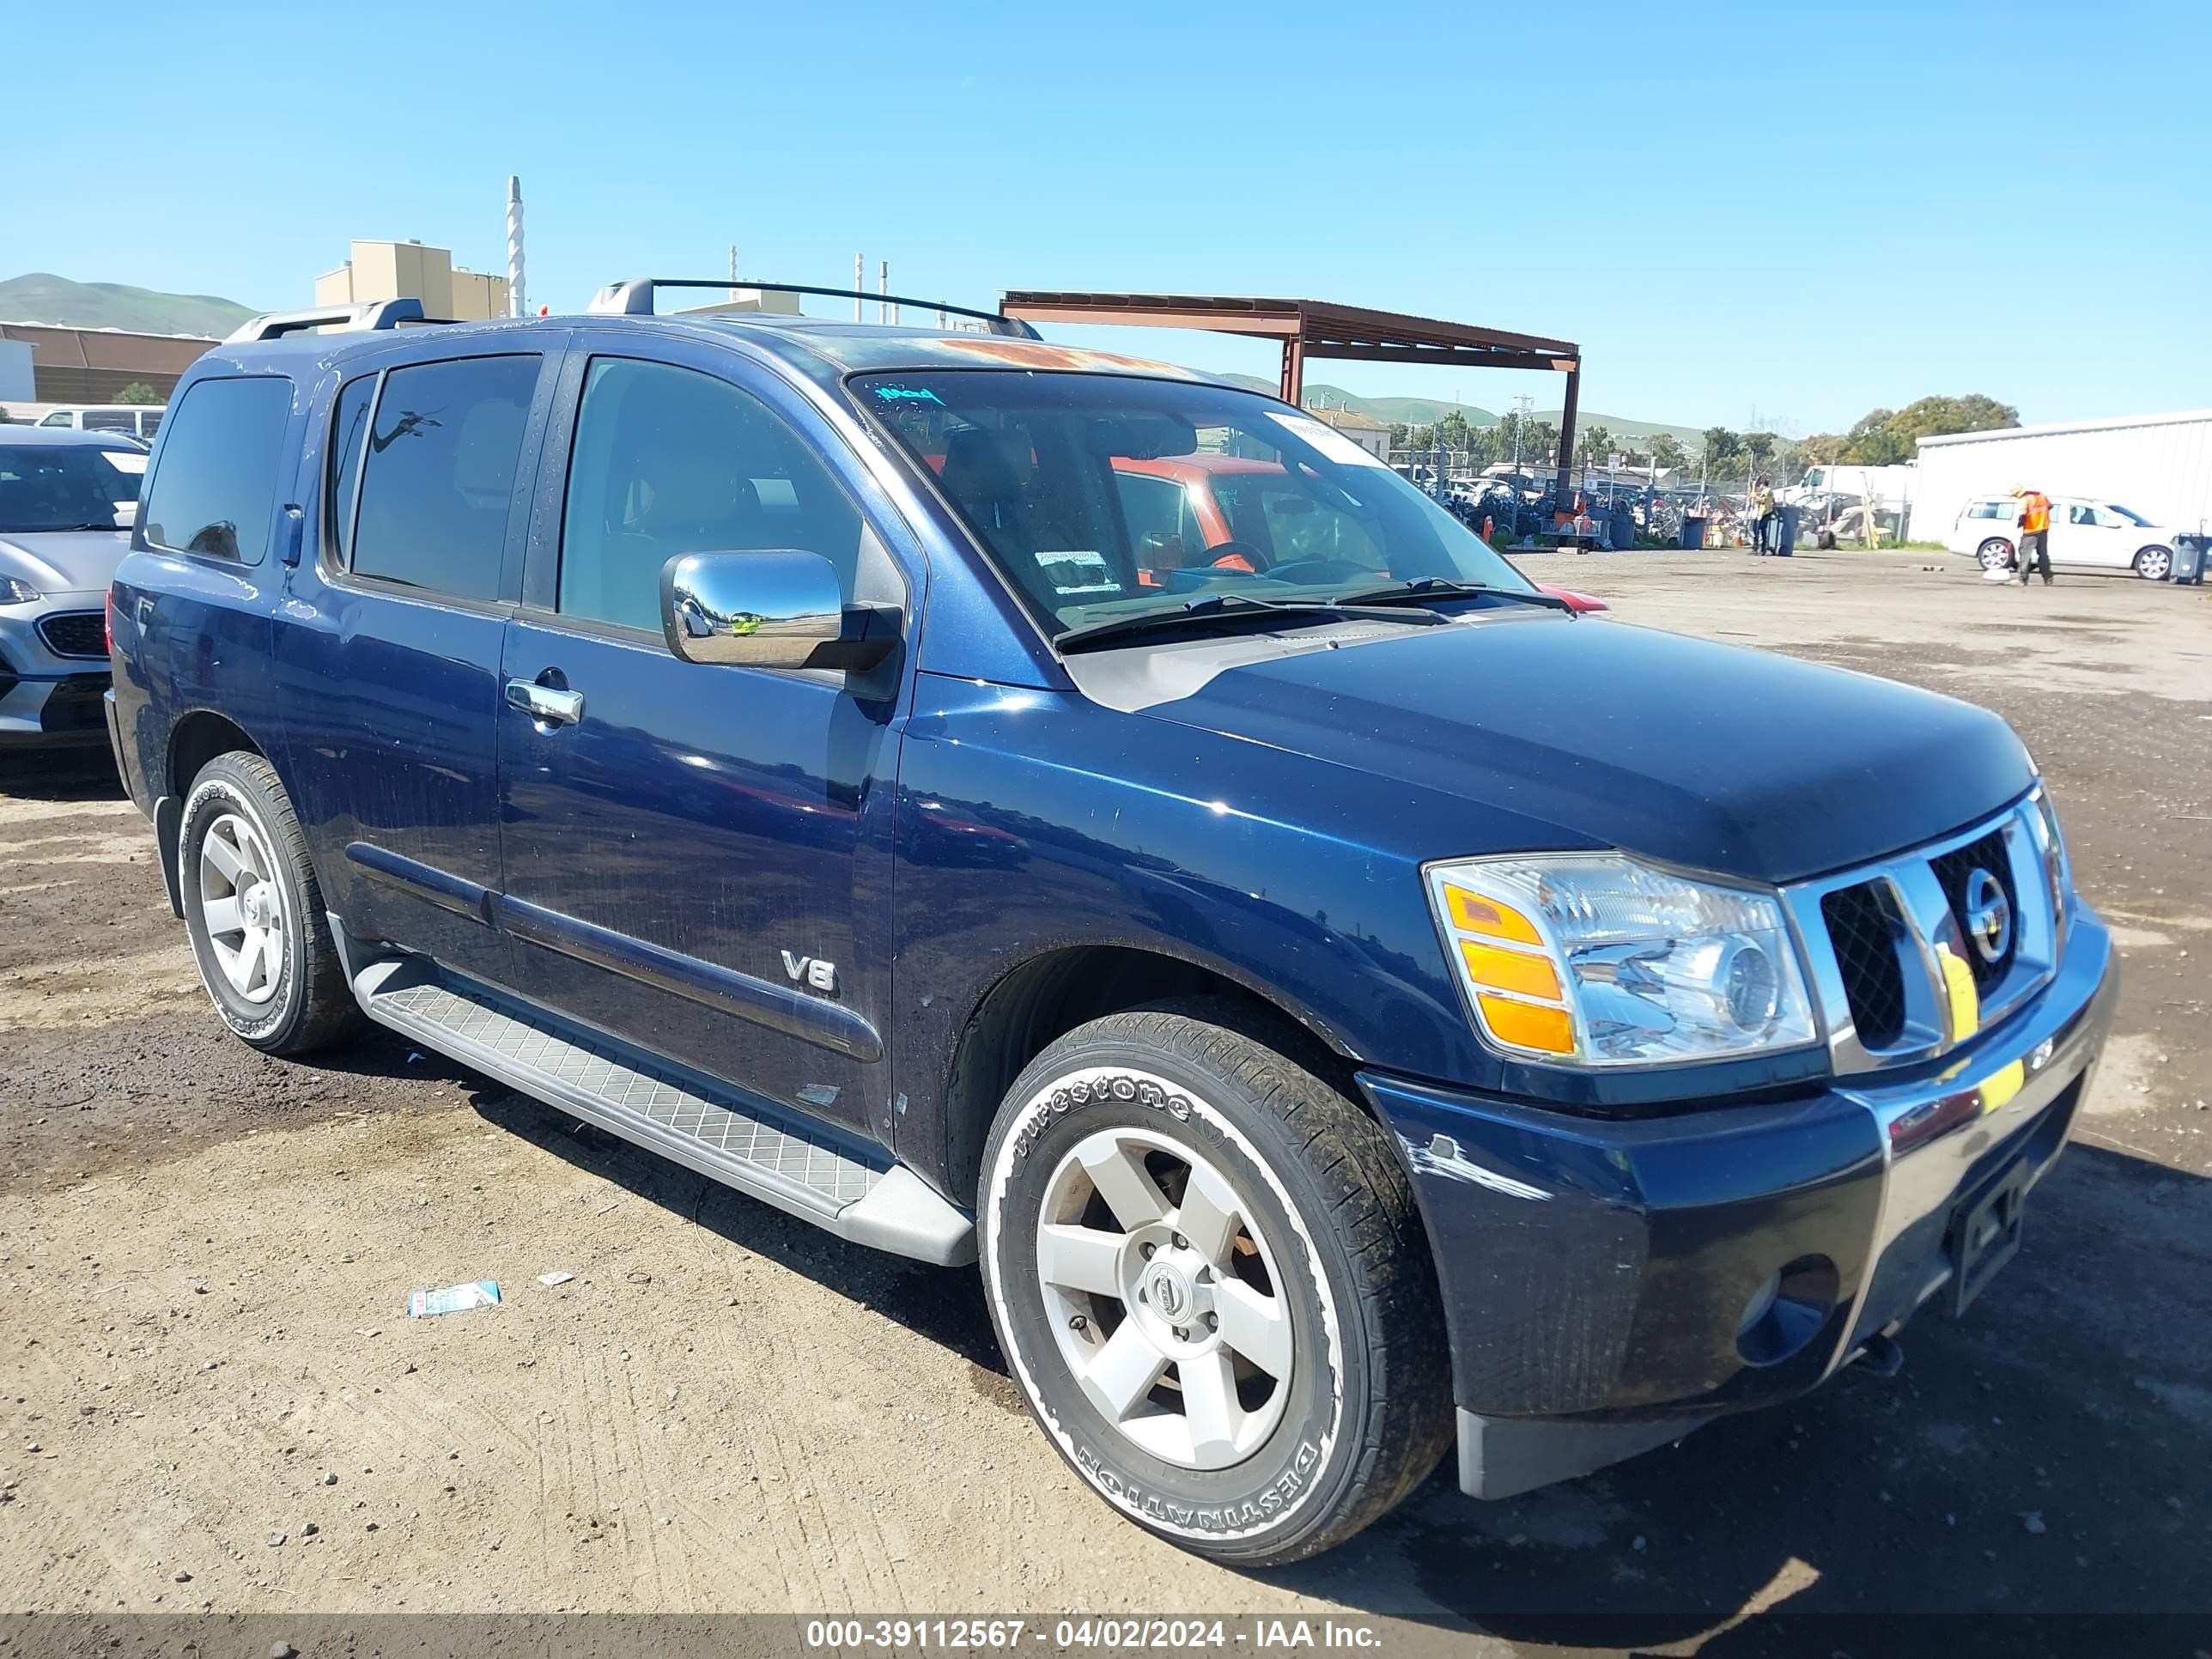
373, 314
633, 297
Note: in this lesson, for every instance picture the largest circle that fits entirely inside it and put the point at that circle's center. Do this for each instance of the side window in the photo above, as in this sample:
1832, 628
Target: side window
669, 460
149, 422
216, 486
59, 418
348, 428
438, 484
2079, 514
109, 420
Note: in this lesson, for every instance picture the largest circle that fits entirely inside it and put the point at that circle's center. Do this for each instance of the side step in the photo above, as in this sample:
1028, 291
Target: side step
800, 1168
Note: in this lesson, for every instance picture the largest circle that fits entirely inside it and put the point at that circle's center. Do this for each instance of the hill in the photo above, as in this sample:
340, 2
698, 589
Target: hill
39, 296
1422, 411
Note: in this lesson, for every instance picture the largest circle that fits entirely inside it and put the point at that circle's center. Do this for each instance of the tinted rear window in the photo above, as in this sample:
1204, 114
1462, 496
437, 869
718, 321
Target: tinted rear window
440, 481
216, 489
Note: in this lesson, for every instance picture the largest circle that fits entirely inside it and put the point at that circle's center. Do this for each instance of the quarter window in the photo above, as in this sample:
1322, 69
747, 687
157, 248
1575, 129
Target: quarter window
215, 489
667, 461
348, 428
438, 484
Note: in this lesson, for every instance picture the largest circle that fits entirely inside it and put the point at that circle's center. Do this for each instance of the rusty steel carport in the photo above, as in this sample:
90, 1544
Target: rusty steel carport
1315, 328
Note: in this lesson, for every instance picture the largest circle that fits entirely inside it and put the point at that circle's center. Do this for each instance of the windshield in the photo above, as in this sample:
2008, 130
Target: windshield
2132, 517
1106, 496
61, 487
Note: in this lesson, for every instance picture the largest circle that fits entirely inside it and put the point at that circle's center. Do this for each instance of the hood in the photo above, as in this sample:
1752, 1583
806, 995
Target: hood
1708, 755
63, 561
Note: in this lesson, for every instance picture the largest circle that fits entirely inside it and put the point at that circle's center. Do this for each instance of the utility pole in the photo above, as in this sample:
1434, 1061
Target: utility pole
517, 302
883, 289
860, 285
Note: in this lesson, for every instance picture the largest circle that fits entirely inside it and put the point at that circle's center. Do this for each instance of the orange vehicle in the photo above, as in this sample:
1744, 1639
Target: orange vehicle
1232, 513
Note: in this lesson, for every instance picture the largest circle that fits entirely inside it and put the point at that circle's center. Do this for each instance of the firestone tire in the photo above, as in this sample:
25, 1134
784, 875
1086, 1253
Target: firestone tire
1205, 1268
254, 912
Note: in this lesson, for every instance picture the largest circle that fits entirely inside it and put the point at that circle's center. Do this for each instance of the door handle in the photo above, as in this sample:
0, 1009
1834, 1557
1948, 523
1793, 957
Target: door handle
543, 702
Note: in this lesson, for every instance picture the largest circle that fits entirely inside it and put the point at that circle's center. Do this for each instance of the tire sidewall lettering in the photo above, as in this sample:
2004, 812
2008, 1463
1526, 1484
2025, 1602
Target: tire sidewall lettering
1303, 1465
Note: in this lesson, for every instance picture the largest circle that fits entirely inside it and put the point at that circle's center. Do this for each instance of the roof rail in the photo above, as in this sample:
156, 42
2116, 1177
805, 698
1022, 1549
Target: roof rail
633, 297
373, 314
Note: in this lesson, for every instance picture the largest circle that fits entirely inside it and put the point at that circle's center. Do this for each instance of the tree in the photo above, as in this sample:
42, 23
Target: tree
1593, 445
138, 393
1884, 437
1821, 449
1667, 451
1721, 446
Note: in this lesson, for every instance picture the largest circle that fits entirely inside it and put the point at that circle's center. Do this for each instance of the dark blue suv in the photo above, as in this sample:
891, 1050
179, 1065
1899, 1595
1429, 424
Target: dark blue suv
1348, 1004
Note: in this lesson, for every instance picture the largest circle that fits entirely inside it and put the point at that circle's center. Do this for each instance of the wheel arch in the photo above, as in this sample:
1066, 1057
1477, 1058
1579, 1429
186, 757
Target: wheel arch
195, 738
1052, 991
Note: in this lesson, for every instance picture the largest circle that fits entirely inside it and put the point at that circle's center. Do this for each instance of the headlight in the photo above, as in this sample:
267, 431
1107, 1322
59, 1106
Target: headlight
13, 590
1599, 960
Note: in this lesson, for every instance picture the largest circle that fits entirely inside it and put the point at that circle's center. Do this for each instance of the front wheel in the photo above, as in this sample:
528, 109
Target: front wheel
1994, 554
2155, 564
1206, 1269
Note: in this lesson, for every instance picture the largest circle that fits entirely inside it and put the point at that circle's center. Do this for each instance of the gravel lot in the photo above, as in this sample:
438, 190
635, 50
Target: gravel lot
210, 1397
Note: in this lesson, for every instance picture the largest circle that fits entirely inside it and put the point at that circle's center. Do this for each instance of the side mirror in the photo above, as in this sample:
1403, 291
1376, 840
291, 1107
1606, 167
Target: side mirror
768, 610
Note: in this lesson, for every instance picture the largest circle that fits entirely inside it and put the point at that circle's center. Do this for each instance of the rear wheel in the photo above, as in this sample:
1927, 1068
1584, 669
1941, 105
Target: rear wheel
254, 912
1994, 554
2155, 564
1206, 1269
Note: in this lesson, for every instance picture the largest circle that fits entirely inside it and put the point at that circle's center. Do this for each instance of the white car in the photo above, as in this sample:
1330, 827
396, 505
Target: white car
2086, 534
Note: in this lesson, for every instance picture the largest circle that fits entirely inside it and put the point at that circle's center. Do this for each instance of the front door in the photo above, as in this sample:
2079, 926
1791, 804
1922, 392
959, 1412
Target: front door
389, 649
698, 857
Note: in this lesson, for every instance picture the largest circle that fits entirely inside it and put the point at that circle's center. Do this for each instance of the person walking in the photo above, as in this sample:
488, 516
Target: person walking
2034, 533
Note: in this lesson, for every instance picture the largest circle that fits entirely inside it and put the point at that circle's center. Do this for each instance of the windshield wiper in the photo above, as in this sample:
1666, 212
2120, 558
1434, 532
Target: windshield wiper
1442, 587
1214, 607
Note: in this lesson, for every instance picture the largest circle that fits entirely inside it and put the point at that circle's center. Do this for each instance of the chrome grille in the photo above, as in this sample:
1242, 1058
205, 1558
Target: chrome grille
1889, 948
1864, 936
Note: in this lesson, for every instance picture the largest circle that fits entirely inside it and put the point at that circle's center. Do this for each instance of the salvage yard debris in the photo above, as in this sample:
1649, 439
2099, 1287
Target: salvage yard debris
454, 1298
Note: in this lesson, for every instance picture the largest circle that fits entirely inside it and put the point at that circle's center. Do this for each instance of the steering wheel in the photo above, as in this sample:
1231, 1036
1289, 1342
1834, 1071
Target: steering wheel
1320, 570
1220, 553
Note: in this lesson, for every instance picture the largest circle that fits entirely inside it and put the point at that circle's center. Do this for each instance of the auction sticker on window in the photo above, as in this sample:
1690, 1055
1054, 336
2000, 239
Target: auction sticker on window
1328, 440
1077, 570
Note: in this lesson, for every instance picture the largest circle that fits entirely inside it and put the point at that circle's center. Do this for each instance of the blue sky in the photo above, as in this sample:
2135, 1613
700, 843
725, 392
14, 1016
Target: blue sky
2014, 199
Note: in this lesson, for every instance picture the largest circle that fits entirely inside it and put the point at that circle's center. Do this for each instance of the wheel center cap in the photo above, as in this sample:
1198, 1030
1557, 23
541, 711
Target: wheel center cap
1171, 1295
257, 906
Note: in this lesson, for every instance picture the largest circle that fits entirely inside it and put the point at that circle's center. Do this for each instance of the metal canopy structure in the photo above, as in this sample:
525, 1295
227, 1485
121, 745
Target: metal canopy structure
1317, 328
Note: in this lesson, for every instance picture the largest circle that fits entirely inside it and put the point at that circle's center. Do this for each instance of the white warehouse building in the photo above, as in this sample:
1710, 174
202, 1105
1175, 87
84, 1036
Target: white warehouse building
2160, 466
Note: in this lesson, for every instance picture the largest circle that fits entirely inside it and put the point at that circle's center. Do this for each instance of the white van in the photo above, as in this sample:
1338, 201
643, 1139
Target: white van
2086, 534
139, 421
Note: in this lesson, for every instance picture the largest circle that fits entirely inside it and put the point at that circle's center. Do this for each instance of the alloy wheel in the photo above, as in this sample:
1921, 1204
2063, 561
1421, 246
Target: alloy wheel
242, 905
1164, 1297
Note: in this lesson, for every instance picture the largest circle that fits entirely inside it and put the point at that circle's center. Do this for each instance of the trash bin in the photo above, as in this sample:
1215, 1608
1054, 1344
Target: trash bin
2191, 554
1785, 530
1693, 530
1620, 528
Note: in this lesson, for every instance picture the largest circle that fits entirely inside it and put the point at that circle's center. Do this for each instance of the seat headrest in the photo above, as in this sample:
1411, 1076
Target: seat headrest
978, 468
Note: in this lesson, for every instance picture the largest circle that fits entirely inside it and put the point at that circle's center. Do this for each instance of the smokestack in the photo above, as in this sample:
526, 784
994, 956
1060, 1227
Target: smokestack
883, 286
733, 273
517, 302
860, 285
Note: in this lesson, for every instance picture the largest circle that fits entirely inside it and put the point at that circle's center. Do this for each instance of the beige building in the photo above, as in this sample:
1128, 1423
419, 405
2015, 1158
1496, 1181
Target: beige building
408, 270
1369, 434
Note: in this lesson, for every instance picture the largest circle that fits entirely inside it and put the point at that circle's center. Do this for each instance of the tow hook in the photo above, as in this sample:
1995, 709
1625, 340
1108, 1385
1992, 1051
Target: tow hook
1882, 1355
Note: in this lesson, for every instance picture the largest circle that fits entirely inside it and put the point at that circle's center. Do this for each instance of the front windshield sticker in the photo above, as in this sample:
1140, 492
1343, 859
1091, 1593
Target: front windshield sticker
1328, 440
907, 394
1078, 570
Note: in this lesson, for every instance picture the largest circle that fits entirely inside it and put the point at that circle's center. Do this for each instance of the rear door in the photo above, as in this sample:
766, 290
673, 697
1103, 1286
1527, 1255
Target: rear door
389, 650
2079, 536
698, 858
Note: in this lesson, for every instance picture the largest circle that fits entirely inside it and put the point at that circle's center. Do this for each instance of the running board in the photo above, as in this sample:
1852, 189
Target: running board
800, 1169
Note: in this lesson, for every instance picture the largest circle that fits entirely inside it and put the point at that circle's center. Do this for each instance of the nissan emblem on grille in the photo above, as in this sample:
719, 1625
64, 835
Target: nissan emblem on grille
1989, 915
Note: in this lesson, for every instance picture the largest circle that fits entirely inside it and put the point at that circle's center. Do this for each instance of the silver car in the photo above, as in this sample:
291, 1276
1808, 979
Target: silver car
67, 501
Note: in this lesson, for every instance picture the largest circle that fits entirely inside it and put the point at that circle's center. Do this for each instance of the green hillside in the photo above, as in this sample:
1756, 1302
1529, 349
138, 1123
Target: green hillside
1423, 411
43, 297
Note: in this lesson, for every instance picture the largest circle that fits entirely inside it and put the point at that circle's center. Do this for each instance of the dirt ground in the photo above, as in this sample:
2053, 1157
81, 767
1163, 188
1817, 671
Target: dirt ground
210, 1399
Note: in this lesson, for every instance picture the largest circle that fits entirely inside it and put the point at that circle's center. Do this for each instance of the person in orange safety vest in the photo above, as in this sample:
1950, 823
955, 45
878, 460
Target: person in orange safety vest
2034, 533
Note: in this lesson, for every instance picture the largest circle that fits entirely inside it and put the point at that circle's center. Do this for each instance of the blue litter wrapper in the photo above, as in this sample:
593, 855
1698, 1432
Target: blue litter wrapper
454, 1298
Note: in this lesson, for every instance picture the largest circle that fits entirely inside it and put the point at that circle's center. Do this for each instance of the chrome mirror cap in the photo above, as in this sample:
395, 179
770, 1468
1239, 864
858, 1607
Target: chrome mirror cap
766, 610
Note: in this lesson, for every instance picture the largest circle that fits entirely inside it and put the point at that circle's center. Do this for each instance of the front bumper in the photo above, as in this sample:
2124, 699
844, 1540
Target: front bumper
1603, 1279
48, 701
